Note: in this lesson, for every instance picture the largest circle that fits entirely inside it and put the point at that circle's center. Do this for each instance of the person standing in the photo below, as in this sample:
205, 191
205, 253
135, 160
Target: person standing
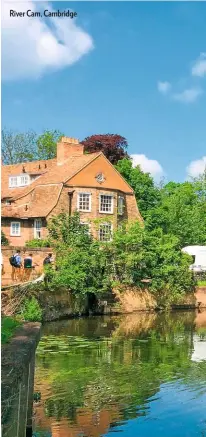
28, 267
16, 264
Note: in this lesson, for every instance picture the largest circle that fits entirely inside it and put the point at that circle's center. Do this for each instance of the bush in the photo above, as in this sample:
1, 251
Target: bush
4, 240
8, 326
80, 262
32, 311
36, 243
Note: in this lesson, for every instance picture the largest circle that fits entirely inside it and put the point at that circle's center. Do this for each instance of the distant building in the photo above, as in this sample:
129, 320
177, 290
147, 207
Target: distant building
35, 191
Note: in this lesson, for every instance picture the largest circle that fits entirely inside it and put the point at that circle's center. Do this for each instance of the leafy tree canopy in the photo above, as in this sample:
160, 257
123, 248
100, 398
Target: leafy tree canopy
146, 193
28, 146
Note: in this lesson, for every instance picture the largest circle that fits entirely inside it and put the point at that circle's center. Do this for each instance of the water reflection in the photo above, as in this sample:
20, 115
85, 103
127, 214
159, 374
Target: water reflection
138, 375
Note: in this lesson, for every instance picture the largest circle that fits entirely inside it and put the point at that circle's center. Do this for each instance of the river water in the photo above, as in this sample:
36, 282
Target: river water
139, 375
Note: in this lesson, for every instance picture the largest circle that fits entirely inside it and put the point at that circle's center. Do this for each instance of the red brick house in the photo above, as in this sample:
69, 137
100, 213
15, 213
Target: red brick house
35, 191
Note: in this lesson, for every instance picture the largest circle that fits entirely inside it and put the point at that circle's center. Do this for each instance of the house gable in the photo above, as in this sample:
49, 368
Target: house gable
100, 168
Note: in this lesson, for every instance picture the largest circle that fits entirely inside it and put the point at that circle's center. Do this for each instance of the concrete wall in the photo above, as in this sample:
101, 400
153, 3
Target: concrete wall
38, 257
17, 376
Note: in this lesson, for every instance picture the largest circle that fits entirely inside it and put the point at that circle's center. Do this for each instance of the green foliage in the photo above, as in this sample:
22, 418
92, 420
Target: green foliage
32, 311
181, 212
80, 262
8, 326
47, 144
28, 146
84, 265
179, 209
146, 193
18, 147
36, 242
4, 240
136, 254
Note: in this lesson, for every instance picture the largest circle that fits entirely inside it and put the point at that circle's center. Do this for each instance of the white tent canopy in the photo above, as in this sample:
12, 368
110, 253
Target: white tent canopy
199, 252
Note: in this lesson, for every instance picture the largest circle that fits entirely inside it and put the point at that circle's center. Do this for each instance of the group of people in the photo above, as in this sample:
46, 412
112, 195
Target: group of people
22, 268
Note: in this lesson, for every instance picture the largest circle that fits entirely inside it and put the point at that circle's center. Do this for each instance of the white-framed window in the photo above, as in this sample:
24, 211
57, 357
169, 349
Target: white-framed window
120, 205
84, 202
105, 231
15, 230
13, 181
106, 203
24, 180
19, 181
37, 228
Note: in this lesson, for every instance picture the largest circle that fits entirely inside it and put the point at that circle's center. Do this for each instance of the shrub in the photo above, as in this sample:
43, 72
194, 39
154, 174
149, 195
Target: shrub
35, 243
4, 240
32, 311
8, 326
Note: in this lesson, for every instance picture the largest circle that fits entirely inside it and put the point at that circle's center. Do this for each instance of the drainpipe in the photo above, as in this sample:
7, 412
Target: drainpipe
70, 194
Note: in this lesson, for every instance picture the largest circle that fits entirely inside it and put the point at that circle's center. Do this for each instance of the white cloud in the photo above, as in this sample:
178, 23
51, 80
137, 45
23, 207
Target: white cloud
196, 168
163, 87
147, 165
188, 96
33, 46
199, 67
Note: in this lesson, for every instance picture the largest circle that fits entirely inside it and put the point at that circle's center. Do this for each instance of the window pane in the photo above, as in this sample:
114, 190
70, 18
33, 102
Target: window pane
37, 228
13, 181
24, 180
15, 228
120, 205
105, 232
105, 203
84, 202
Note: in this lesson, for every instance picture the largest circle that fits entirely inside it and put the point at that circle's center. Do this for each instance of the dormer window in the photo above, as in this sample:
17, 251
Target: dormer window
19, 181
13, 181
24, 180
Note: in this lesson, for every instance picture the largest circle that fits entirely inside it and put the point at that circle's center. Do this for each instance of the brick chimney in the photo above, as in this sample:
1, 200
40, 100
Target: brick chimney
68, 147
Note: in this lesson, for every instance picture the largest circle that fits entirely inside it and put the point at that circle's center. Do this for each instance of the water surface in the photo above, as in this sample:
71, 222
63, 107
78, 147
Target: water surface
141, 375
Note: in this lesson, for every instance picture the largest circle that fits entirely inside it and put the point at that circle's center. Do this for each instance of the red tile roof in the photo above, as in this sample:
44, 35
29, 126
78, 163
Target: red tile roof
17, 169
46, 187
38, 205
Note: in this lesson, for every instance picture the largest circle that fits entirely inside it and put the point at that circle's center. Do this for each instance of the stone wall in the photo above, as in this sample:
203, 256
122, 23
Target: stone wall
38, 257
17, 376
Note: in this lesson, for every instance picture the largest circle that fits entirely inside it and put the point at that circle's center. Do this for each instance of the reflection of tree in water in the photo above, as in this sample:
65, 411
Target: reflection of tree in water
115, 372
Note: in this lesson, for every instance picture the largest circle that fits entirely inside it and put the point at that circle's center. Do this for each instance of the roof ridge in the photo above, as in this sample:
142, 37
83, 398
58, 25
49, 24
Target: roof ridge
28, 162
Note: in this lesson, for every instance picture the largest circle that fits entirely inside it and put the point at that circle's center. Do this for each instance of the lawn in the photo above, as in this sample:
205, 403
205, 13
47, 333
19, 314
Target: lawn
201, 283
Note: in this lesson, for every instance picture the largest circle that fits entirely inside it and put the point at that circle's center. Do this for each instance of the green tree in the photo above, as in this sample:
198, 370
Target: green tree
28, 146
181, 212
80, 262
146, 193
47, 144
18, 147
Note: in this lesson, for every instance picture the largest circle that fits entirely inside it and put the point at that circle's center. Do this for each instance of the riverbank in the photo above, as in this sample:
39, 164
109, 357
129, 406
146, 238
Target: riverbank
123, 300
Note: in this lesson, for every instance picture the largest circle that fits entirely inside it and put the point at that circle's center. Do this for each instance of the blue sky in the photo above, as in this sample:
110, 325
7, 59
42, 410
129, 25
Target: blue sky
136, 68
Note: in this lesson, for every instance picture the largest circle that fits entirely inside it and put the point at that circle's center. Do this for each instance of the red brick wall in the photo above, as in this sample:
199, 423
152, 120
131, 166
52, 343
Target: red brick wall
131, 211
26, 230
